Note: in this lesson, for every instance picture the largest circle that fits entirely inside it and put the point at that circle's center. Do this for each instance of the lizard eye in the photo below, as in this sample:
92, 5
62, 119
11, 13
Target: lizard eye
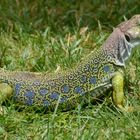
127, 38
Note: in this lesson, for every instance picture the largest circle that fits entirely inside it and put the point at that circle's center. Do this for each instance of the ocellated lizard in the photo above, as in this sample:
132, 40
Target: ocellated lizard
101, 70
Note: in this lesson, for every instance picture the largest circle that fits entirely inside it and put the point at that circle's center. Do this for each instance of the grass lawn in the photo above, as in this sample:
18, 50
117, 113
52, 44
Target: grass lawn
46, 50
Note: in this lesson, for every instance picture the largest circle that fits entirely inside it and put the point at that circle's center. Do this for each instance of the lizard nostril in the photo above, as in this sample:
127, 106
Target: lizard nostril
127, 38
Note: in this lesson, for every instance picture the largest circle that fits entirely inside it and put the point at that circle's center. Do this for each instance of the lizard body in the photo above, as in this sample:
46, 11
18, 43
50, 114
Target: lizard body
101, 70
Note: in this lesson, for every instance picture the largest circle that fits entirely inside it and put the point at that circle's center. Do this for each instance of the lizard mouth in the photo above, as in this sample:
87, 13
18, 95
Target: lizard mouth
136, 42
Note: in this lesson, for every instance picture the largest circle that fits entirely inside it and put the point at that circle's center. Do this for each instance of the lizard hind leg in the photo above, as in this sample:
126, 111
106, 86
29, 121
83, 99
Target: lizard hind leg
5, 93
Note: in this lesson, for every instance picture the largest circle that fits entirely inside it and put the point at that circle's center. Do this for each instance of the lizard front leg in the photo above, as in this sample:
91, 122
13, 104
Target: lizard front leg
5, 92
118, 93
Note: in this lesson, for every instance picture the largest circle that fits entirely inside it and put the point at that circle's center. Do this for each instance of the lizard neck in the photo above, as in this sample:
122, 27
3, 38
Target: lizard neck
95, 58
117, 47
92, 63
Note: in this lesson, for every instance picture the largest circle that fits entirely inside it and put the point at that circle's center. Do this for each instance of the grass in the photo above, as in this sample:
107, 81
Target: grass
36, 42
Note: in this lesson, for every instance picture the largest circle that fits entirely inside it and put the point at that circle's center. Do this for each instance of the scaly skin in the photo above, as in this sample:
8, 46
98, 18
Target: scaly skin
99, 71
44, 89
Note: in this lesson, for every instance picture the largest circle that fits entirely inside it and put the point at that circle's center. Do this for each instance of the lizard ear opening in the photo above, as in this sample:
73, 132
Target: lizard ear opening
127, 38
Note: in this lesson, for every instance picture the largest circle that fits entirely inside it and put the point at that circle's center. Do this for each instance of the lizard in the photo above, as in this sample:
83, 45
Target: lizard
101, 70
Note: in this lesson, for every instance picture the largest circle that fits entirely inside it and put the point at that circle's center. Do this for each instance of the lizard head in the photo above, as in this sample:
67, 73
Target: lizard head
124, 37
131, 30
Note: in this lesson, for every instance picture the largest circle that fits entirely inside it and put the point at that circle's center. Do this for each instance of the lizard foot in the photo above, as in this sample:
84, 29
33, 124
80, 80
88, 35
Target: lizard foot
126, 109
129, 109
5, 91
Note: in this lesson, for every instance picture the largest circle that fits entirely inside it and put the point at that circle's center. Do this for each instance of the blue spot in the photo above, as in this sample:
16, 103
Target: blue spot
29, 101
17, 88
46, 103
30, 94
92, 80
83, 79
43, 91
63, 99
54, 95
106, 68
65, 88
79, 90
